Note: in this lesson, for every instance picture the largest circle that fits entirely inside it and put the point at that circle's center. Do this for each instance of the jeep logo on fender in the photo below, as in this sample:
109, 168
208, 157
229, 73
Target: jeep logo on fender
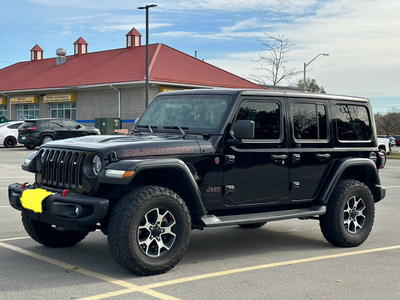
158, 151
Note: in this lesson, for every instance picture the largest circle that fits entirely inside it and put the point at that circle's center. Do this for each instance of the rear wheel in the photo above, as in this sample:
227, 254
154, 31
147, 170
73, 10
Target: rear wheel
349, 215
10, 142
50, 236
149, 230
46, 139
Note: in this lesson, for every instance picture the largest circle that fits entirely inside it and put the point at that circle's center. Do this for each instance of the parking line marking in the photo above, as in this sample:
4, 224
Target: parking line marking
392, 187
241, 270
147, 289
15, 238
130, 287
267, 266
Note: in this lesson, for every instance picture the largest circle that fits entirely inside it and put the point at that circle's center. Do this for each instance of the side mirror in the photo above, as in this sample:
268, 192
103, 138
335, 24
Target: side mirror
244, 129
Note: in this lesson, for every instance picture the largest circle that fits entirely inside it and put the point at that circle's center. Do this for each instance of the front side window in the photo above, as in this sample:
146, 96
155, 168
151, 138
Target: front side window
266, 116
353, 123
309, 121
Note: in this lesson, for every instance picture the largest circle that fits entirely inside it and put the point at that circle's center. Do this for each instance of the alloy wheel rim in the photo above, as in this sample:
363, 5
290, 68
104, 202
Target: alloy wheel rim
354, 216
156, 234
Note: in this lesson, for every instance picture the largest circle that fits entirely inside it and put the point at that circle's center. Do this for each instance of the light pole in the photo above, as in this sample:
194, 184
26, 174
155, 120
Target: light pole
305, 67
147, 48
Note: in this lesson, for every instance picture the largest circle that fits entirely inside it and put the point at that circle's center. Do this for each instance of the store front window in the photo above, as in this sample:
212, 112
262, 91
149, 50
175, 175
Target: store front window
3, 110
63, 110
27, 111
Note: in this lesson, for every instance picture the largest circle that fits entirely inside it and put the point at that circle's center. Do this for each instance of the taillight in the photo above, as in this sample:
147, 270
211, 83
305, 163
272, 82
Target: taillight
31, 128
382, 160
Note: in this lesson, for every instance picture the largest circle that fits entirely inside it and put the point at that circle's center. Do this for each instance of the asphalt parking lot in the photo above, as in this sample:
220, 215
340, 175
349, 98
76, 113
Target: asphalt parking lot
282, 260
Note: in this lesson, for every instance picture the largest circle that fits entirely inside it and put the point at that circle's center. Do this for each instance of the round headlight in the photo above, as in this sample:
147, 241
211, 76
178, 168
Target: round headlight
96, 165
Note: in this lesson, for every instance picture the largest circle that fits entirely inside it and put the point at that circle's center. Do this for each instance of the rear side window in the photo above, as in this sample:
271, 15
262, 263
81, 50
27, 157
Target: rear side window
266, 116
309, 121
353, 123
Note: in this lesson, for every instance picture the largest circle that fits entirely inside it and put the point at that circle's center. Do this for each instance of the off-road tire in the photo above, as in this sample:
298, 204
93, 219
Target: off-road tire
253, 225
139, 208
349, 214
50, 236
10, 142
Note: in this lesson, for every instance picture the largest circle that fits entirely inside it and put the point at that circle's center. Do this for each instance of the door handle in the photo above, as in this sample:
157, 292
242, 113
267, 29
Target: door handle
323, 156
279, 158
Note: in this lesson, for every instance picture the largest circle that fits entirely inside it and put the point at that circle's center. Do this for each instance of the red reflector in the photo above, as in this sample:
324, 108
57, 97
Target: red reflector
64, 194
31, 128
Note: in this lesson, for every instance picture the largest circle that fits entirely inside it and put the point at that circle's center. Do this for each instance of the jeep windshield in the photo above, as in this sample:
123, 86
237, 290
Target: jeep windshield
185, 113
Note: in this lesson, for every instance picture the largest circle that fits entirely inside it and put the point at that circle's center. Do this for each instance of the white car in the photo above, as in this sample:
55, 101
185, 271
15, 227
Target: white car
9, 133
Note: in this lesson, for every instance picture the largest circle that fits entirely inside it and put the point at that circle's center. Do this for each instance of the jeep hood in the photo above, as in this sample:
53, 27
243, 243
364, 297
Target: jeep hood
130, 145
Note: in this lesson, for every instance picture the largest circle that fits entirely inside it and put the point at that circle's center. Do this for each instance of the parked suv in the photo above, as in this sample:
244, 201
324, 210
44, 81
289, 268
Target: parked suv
208, 158
37, 132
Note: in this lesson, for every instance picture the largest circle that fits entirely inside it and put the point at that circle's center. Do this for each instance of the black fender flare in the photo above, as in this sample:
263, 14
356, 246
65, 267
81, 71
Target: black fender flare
341, 167
196, 204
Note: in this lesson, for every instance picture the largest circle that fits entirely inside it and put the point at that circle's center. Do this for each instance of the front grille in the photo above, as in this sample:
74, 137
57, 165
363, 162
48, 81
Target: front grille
62, 168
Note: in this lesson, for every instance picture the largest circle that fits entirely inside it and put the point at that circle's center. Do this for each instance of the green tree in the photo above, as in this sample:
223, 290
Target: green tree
310, 86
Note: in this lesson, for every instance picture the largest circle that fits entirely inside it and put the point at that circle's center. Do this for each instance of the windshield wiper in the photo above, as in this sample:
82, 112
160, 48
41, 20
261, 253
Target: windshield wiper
177, 127
149, 127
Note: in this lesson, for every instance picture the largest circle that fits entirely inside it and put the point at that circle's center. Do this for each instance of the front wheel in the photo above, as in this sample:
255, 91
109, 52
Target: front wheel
50, 236
349, 214
149, 230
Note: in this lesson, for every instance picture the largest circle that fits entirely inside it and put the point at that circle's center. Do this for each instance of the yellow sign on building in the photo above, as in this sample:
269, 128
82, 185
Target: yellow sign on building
67, 97
25, 100
3, 101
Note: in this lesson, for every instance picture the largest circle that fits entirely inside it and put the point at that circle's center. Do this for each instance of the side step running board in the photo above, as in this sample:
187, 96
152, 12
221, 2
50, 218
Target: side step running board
303, 213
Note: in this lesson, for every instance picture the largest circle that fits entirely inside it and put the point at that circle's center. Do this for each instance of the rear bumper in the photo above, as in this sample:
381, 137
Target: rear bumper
73, 211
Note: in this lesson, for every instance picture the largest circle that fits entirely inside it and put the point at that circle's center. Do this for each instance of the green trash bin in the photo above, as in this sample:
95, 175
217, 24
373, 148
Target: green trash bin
3, 119
107, 125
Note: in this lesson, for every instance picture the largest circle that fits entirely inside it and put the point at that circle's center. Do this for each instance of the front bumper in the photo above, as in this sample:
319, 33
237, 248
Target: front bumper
70, 210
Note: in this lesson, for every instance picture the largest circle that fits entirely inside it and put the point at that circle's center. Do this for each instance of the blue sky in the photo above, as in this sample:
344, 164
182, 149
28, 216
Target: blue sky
362, 37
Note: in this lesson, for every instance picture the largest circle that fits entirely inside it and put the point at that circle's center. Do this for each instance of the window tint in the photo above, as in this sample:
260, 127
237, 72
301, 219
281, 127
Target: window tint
266, 116
70, 124
353, 123
56, 123
309, 121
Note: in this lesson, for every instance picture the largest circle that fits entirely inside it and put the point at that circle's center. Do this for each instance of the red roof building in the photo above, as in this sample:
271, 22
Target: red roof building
103, 84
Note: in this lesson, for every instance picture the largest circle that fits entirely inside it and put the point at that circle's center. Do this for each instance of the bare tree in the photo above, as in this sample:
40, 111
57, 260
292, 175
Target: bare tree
273, 64
388, 123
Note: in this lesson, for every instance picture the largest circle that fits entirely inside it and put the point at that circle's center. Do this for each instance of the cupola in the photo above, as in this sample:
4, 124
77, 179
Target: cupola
80, 46
133, 39
36, 53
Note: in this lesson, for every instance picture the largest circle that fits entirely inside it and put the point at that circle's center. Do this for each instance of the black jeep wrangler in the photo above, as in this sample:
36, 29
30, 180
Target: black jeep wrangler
207, 158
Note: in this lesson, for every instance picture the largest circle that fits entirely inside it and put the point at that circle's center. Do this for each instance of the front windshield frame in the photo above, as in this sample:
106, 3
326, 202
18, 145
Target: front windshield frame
193, 113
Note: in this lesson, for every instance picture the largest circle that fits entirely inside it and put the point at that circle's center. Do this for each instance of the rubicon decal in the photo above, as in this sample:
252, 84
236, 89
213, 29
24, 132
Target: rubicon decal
158, 151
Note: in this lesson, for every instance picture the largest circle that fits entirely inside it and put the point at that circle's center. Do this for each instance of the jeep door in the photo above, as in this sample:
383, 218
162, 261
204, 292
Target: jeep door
256, 171
311, 146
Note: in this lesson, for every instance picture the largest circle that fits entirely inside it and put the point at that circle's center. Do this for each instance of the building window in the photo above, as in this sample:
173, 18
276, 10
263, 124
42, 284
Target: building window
3, 110
27, 111
63, 110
